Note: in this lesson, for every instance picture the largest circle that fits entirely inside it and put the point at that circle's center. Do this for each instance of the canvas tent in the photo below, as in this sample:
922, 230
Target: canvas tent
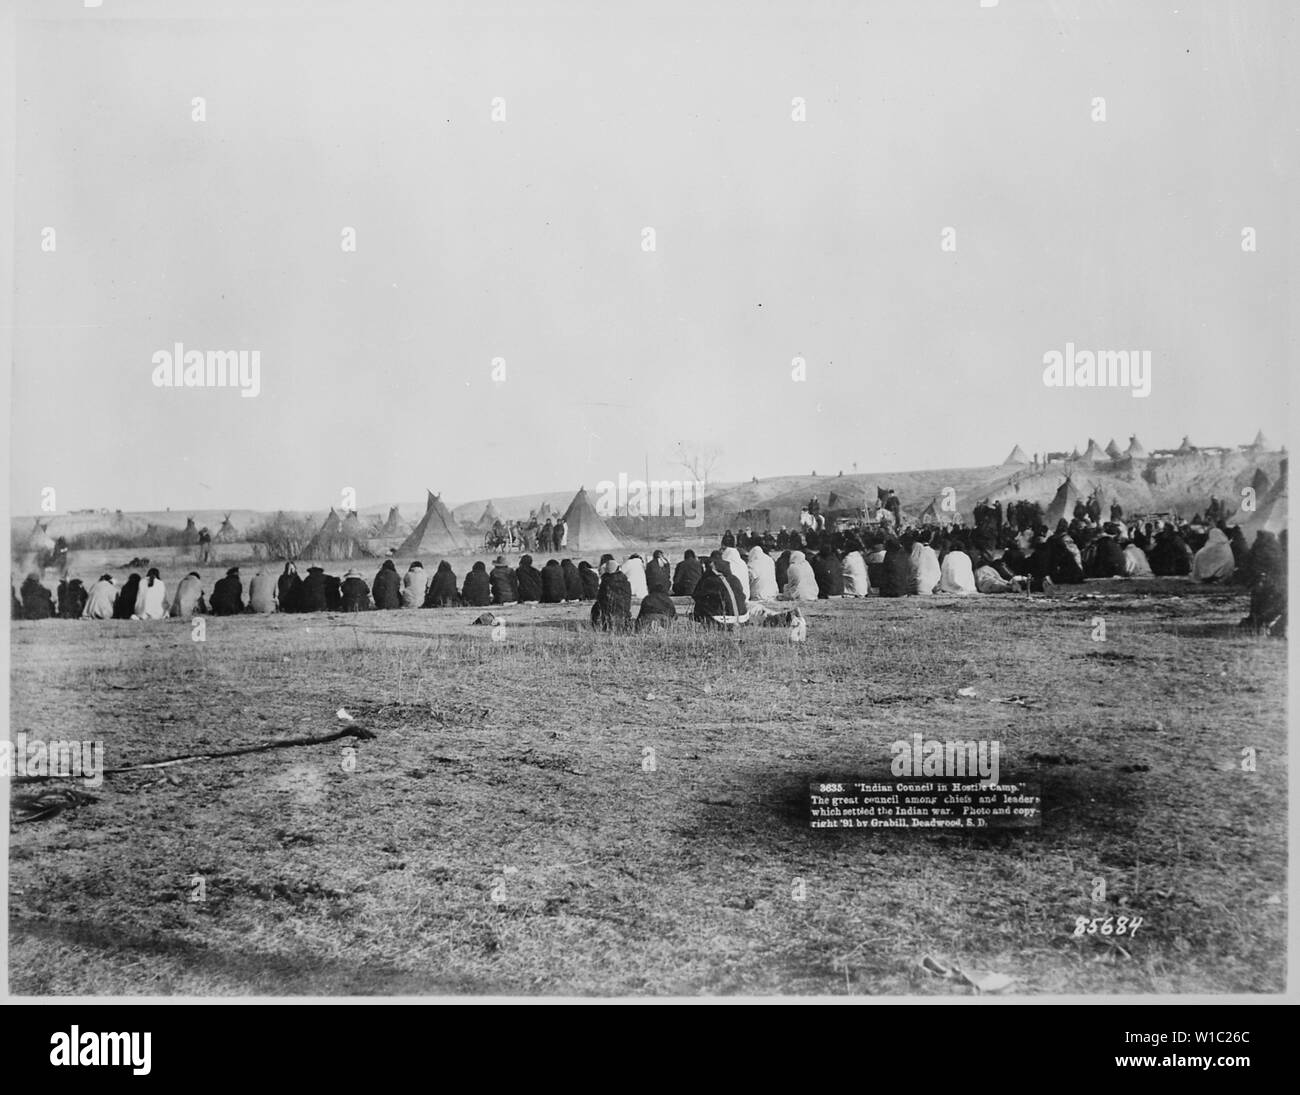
586, 530
1093, 452
490, 517
191, 533
1261, 443
1270, 514
226, 534
1113, 450
1135, 450
1063, 504
337, 539
1017, 456
1186, 448
437, 533
1075, 454
393, 525
36, 540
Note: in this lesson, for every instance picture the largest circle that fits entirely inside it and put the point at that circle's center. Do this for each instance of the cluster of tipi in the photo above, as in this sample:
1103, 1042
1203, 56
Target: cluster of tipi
1095, 454
438, 534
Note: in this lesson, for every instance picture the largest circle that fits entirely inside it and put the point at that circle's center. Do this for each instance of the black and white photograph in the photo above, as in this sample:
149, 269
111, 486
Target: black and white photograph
575, 501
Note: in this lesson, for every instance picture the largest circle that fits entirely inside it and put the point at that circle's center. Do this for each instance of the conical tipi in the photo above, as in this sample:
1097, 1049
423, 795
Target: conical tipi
1135, 451
191, 532
490, 517
436, 534
1261, 443
587, 532
1075, 454
1113, 450
38, 539
393, 525
1017, 457
1186, 448
1063, 504
226, 534
1093, 452
330, 542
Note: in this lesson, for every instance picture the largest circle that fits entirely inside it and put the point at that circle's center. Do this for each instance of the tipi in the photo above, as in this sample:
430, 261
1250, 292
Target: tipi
1259, 483
1270, 515
1093, 454
191, 533
436, 534
587, 532
1075, 454
393, 525
490, 517
337, 539
1113, 450
38, 539
1186, 448
1261, 443
1017, 457
226, 534
1063, 504
1135, 451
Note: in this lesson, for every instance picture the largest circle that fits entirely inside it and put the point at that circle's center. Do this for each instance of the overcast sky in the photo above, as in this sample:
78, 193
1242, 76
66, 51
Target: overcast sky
774, 238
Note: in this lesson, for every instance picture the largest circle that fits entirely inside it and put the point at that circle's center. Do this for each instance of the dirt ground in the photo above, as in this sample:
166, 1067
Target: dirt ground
506, 833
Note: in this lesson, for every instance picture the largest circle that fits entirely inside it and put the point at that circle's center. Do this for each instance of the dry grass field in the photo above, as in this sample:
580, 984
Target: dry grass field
501, 834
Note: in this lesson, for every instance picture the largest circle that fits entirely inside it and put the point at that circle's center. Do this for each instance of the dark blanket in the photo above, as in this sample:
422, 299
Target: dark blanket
896, 573
289, 592
478, 589
312, 596
72, 599
124, 605
572, 581
686, 577
1170, 556
528, 580
553, 589
387, 587
333, 592
590, 581
657, 610
227, 596
442, 590
613, 608
1107, 558
658, 579
355, 594
38, 602
504, 587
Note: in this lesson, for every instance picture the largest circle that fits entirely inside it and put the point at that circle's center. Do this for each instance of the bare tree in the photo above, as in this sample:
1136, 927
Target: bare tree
698, 458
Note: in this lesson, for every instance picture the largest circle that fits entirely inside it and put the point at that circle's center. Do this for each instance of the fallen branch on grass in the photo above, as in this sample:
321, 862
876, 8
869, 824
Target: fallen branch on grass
288, 743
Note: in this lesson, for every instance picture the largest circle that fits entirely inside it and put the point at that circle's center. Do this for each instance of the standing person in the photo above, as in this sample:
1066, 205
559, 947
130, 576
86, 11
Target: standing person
414, 585
387, 587
205, 545
228, 595
544, 537
150, 601
560, 535
288, 587
99, 605
188, 598
261, 592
